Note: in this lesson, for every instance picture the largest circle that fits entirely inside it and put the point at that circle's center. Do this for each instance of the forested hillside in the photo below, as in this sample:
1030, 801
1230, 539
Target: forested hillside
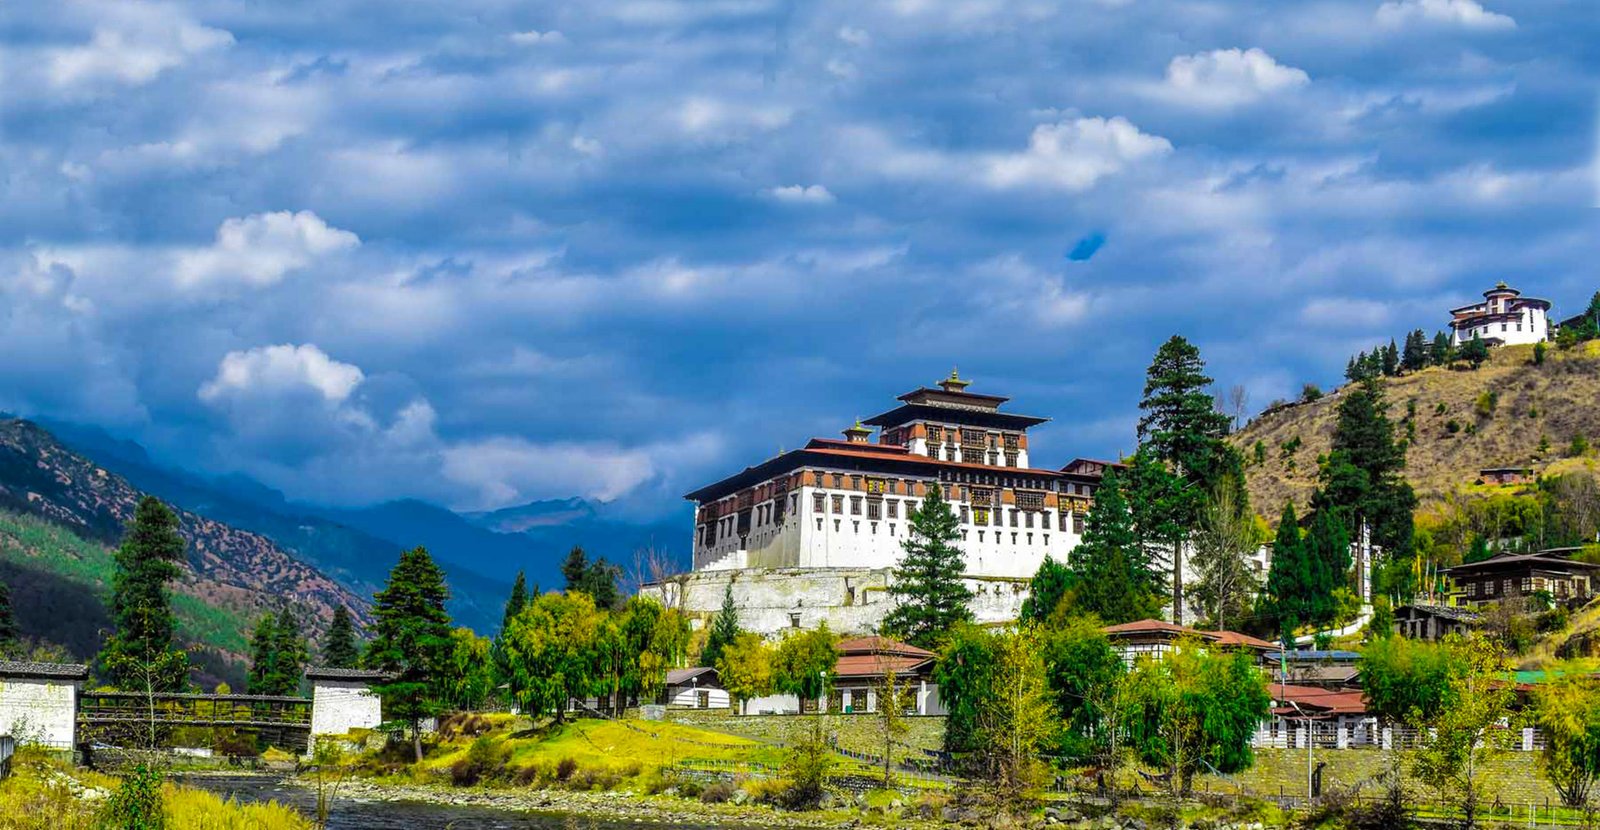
1456, 421
60, 517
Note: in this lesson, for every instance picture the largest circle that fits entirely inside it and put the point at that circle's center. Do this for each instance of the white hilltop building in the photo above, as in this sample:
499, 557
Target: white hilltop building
1504, 318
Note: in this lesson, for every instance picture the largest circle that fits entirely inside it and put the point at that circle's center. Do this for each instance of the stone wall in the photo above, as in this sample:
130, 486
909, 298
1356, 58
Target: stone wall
39, 711
340, 706
850, 600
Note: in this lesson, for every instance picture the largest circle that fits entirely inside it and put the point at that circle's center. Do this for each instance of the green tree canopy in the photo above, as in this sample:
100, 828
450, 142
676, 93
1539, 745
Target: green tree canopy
965, 674
339, 647
278, 655
1407, 681
1049, 587
411, 641
1115, 579
551, 650
724, 629
597, 578
805, 662
1083, 671
745, 668
517, 600
1195, 708
1475, 351
10, 635
468, 680
928, 579
1567, 712
140, 654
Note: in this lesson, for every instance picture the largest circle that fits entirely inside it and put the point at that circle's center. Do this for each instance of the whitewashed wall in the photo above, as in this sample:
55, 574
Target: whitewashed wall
850, 600
42, 711
338, 706
690, 696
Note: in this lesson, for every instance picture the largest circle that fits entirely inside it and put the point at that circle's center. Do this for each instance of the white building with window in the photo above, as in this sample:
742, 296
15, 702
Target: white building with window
1504, 318
811, 535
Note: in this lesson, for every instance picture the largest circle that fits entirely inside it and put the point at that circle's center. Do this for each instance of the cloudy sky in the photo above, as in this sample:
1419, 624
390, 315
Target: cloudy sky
482, 251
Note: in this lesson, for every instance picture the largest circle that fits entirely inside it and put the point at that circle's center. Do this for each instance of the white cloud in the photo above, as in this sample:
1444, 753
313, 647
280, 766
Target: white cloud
131, 44
1229, 77
534, 37
587, 146
261, 248
1467, 13
1344, 313
1075, 154
276, 369
854, 36
810, 194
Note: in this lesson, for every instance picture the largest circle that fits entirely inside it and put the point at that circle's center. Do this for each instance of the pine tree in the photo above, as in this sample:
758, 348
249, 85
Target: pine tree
1182, 429
1049, 587
1115, 579
1289, 580
1327, 550
1475, 351
339, 649
9, 634
411, 641
1391, 360
575, 567
277, 655
516, 602
1441, 352
1416, 352
927, 582
1361, 481
139, 655
724, 629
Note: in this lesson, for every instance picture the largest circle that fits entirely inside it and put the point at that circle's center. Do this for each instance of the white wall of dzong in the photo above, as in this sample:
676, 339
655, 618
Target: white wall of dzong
772, 601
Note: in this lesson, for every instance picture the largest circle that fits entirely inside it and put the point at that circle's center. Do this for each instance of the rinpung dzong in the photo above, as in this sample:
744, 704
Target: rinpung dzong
811, 535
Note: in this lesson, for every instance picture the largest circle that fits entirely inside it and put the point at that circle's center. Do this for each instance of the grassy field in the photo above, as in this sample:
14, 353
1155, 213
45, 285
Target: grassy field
46, 794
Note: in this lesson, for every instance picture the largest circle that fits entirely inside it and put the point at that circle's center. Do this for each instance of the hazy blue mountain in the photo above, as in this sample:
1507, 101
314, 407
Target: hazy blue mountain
348, 551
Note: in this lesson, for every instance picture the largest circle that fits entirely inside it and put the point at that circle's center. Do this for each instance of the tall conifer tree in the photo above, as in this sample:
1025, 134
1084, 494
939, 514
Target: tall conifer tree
277, 655
1115, 579
1289, 580
724, 629
927, 582
1049, 587
411, 641
516, 602
140, 654
9, 634
339, 648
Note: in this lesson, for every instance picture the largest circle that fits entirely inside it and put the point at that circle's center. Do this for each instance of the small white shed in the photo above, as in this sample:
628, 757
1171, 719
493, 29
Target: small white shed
39, 701
342, 700
696, 688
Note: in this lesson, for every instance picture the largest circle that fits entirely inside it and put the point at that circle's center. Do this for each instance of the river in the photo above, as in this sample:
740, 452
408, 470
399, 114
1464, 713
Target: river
354, 814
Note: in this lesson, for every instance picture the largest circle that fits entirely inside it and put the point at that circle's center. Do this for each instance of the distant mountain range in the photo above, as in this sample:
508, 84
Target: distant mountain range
480, 552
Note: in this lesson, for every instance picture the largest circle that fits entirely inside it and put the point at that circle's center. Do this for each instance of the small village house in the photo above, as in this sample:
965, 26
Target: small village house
1510, 575
1156, 637
1422, 621
1506, 475
342, 700
695, 688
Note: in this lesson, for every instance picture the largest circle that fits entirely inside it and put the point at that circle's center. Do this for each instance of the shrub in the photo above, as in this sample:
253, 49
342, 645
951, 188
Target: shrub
1452, 426
1544, 444
718, 792
1538, 354
484, 759
137, 804
766, 790
1579, 446
595, 778
1440, 408
1310, 392
1487, 401
565, 768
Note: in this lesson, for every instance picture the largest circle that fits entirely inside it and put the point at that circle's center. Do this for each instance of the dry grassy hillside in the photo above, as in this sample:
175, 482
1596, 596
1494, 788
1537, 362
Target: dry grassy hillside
1554, 402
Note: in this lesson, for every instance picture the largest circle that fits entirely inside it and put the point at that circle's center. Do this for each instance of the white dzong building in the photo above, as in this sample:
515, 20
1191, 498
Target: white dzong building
813, 534
1504, 318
